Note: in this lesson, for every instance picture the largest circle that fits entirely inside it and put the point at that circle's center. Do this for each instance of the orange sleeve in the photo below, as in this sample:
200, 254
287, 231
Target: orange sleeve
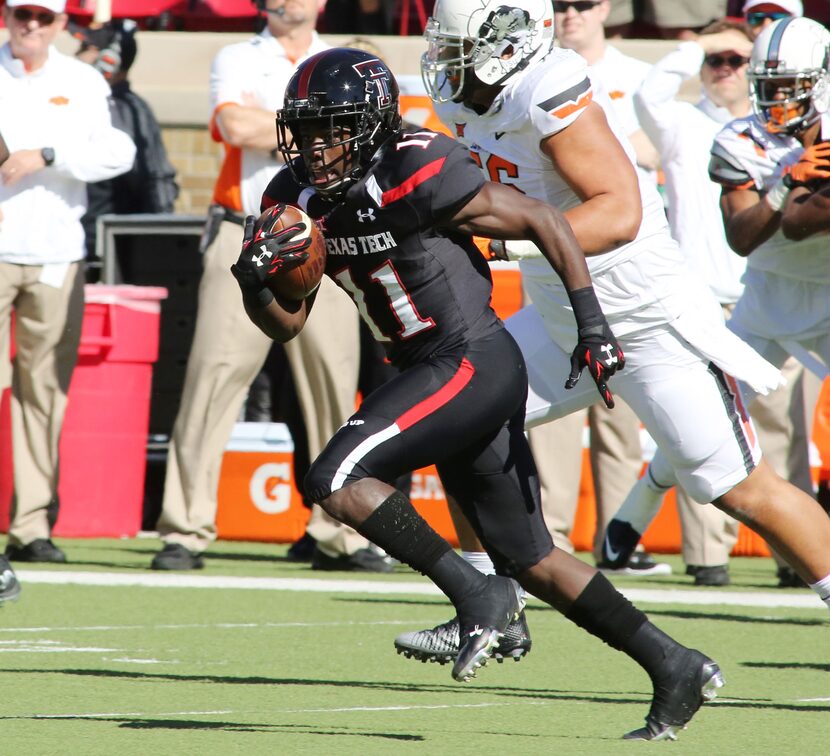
226, 191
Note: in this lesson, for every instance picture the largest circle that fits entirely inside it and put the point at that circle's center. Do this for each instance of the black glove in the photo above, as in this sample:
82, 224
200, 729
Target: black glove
597, 348
266, 252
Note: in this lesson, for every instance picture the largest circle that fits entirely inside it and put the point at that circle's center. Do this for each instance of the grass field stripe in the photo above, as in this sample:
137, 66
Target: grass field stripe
638, 595
204, 626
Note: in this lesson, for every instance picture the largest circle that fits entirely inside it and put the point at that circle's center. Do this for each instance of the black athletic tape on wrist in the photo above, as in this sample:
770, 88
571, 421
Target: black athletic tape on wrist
586, 307
258, 299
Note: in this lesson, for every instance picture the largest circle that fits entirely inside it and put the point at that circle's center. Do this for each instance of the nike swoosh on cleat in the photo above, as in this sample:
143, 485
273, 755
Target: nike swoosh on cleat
613, 555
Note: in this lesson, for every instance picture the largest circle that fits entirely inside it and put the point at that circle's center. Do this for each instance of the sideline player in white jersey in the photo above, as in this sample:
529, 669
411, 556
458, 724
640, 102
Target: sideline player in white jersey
768, 164
528, 115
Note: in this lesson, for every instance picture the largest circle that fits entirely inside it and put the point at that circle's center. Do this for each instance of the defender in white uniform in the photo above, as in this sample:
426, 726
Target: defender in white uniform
767, 164
528, 113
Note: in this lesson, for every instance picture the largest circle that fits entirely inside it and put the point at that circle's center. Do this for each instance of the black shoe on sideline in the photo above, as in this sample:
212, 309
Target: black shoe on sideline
789, 578
715, 575
39, 550
174, 556
9, 584
362, 560
302, 549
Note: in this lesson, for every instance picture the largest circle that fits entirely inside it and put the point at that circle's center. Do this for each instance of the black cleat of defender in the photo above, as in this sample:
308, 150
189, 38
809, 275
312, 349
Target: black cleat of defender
619, 544
483, 618
9, 584
692, 680
439, 644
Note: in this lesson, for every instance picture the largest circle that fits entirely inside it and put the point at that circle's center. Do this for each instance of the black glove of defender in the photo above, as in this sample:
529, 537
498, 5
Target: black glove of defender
597, 348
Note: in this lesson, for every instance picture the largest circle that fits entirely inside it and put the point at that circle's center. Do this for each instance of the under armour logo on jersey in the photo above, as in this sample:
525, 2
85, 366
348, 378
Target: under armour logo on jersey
258, 258
610, 357
368, 215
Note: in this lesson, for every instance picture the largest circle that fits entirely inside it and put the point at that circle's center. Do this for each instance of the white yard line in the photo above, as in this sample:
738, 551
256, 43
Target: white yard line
332, 710
312, 585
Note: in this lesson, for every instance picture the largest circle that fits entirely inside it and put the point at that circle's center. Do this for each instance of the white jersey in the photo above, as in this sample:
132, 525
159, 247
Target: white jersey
644, 286
506, 141
786, 298
746, 155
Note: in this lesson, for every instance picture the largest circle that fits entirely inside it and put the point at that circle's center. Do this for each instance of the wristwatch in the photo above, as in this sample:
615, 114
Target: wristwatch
48, 155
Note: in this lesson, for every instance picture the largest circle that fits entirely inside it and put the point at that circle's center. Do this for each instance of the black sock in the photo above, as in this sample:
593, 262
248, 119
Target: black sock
397, 528
603, 611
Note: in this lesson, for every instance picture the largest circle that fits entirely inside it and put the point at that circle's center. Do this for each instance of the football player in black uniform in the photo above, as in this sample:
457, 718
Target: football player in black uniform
398, 207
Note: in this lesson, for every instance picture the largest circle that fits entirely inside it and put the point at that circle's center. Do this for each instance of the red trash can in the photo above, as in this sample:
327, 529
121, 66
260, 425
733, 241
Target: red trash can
103, 450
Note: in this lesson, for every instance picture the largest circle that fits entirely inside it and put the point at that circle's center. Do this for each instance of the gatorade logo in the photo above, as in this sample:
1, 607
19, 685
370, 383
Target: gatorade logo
270, 488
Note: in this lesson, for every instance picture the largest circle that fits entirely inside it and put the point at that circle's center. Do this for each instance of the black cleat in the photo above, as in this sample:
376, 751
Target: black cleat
692, 680
618, 545
483, 618
9, 584
440, 643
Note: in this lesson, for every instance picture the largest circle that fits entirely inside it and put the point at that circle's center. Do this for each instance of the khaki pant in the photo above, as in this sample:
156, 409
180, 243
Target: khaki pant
47, 333
227, 353
616, 463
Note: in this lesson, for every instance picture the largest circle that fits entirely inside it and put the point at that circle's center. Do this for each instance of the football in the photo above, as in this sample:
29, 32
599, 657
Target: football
297, 283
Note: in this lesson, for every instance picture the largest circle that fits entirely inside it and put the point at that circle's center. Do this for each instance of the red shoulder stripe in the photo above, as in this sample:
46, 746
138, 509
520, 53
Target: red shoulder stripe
413, 182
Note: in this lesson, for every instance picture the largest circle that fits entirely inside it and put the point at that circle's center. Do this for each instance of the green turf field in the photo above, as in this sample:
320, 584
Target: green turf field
134, 669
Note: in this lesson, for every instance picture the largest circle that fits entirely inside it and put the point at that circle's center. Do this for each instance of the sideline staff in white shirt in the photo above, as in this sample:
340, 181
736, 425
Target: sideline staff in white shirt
55, 119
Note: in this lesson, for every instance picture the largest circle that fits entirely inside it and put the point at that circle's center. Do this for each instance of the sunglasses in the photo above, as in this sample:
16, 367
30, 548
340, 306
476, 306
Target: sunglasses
756, 19
580, 6
733, 61
24, 15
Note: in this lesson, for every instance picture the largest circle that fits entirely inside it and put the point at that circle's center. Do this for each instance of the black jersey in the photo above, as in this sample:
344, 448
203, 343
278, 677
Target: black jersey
418, 287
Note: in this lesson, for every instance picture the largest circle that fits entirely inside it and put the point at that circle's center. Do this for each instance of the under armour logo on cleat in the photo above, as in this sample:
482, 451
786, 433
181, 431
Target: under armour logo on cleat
476, 631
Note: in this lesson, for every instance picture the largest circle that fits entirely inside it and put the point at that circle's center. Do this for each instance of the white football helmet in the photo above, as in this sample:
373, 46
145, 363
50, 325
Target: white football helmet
788, 74
488, 39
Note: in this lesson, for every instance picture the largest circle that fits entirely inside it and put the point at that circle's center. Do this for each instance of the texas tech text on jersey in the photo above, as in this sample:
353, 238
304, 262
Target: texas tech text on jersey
417, 288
